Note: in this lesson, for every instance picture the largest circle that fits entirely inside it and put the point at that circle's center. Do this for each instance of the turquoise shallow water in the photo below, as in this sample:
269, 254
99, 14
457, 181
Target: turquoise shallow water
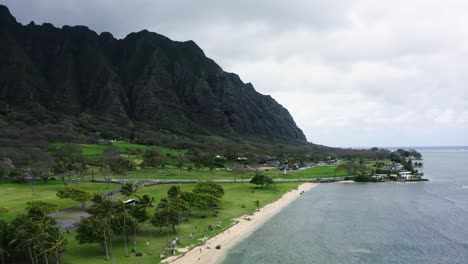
424, 222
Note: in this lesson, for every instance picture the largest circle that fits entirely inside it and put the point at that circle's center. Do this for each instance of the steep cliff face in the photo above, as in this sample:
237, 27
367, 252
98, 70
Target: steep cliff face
144, 80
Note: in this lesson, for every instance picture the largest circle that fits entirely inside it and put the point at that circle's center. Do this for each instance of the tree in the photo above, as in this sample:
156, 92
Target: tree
69, 161
3, 230
174, 192
91, 230
208, 195
105, 170
39, 209
260, 179
129, 190
31, 231
59, 169
105, 211
119, 165
31, 177
257, 204
124, 213
41, 166
27, 236
75, 194
236, 168
191, 199
153, 158
6, 165
167, 214
55, 242
180, 163
209, 187
146, 203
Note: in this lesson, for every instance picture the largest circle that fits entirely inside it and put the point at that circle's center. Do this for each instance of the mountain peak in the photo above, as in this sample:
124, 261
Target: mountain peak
6, 18
144, 82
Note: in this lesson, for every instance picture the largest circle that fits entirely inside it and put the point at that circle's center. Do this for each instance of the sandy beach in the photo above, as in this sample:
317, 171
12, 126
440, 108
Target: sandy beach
208, 254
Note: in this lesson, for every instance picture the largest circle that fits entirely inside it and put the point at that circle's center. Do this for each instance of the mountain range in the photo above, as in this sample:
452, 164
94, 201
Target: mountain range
143, 82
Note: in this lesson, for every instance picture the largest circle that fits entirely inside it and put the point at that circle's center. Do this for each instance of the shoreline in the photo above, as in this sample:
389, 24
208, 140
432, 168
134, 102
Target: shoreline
230, 237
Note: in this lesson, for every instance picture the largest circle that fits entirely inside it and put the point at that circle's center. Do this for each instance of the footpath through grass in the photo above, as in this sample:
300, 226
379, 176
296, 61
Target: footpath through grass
237, 201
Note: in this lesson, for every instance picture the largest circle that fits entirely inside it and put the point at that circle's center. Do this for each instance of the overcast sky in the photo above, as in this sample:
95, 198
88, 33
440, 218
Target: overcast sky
351, 72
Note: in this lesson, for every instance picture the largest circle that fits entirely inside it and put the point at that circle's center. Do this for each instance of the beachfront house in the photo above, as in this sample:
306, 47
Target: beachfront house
404, 175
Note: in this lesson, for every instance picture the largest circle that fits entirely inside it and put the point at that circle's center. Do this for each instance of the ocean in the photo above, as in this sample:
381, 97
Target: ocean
422, 222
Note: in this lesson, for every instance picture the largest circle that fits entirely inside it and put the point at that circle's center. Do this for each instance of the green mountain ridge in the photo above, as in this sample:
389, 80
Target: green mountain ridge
130, 87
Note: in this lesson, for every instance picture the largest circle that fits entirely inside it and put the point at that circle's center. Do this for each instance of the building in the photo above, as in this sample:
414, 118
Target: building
404, 175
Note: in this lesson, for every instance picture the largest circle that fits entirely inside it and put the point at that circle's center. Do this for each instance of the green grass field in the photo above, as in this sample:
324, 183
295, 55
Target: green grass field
171, 172
310, 173
238, 201
236, 195
15, 195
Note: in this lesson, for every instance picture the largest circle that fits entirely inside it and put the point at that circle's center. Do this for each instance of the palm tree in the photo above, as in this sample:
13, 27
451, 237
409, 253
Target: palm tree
146, 202
129, 190
27, 236
123, 210
105, 210
55, 242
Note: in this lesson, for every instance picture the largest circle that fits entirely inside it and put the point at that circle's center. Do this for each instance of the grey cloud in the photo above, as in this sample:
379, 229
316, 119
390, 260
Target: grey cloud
351, 72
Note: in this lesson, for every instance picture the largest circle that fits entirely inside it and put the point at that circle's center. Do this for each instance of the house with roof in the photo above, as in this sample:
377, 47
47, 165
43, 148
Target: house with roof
404, 175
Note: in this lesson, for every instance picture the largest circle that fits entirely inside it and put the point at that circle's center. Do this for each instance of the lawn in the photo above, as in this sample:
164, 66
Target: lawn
310, 173
15, 195
238, 200
171, 173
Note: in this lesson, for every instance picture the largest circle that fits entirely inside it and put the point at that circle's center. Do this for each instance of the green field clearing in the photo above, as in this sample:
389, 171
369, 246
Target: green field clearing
310, 173
171, 172
236, 195
15, 195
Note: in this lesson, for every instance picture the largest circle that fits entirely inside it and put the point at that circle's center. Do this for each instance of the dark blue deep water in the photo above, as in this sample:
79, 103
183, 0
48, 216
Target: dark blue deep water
425, 222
